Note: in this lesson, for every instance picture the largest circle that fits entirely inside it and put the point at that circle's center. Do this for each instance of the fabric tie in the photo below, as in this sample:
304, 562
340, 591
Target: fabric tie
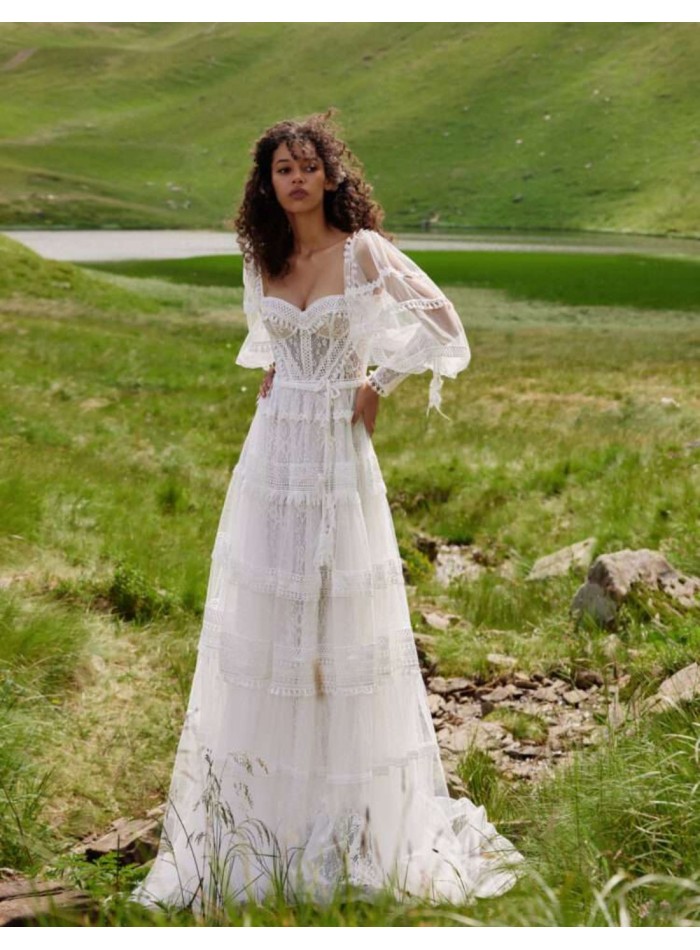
323, 554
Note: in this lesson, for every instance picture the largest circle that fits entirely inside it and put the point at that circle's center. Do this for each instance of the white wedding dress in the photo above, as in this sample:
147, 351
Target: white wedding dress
308, 755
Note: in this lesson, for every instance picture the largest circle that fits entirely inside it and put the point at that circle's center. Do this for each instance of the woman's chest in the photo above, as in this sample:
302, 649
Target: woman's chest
326, 318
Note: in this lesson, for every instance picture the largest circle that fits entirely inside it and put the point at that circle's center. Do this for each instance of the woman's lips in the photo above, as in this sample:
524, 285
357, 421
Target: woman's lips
299, 193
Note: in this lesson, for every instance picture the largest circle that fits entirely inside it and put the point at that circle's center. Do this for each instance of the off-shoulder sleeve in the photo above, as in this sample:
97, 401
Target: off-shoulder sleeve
406, 321
256, 349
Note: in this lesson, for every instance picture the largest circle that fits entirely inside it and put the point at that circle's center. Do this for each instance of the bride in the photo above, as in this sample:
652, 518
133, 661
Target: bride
308, 759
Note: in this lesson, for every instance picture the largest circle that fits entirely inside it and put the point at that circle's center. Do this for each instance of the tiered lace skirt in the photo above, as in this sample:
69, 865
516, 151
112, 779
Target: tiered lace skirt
308, 757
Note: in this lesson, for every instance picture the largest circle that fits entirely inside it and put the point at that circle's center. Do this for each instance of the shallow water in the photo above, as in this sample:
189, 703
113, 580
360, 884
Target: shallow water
117, 245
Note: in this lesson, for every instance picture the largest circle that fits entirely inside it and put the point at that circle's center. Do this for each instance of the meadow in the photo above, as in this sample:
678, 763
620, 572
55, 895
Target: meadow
123, 414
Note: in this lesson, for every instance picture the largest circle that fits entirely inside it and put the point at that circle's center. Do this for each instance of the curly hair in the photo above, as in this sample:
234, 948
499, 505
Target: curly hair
264, 234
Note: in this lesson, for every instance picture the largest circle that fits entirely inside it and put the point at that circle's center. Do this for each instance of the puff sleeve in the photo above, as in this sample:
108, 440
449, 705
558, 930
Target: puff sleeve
256, 349
406, 322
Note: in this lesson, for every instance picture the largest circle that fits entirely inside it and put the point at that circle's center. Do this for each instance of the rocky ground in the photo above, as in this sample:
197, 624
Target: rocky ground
527, 723
556, 715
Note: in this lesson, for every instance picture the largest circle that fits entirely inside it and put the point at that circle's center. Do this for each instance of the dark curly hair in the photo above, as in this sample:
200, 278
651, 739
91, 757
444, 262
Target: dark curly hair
264, 234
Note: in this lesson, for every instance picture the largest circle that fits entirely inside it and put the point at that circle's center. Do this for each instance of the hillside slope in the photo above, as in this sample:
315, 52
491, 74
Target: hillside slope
533, 125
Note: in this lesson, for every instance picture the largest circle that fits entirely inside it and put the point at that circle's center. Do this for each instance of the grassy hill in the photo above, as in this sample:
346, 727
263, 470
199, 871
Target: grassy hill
534, 125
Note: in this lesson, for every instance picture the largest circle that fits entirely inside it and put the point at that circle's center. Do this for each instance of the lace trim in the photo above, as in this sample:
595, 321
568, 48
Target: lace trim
281, 669
304, 692
349, 261
301, 483
257, 346
427, 359
377, 653
369, 286
283, 313
335, 583
426, 750
306, 498
374, 383
314, 414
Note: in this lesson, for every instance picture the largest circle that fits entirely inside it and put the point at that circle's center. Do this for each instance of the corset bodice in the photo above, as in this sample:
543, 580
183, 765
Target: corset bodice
312, 344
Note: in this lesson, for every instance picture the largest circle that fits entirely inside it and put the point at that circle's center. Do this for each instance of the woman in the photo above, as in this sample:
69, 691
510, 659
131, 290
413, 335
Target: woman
308, 758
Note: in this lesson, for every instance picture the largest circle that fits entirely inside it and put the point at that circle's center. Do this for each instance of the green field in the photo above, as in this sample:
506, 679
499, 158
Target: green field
583, 126
123, 413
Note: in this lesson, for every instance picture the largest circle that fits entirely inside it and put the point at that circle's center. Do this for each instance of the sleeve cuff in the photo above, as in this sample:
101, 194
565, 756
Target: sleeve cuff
384, 380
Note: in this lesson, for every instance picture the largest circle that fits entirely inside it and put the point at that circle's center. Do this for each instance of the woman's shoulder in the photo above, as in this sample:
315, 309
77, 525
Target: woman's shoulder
371, 251
364, 236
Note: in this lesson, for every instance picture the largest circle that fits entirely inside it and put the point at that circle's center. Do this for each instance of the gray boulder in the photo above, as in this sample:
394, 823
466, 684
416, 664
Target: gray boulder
612, 577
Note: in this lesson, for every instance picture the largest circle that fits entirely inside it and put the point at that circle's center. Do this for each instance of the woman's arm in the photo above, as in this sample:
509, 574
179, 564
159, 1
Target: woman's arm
409, 323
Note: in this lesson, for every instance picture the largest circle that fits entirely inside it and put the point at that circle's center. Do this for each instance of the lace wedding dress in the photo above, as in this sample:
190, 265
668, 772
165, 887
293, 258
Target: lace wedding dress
308, 754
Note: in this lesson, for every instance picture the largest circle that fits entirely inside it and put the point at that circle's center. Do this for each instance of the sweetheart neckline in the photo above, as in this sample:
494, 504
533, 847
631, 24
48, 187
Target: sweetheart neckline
306, 309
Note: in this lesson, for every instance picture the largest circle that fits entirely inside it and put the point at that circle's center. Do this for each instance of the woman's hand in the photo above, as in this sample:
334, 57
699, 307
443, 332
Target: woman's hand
266, 384
366, 406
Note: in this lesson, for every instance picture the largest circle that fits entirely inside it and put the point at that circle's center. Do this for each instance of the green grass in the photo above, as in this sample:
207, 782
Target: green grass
580, 280
520, 725
26, 275
121, 416
583, 126
610, 840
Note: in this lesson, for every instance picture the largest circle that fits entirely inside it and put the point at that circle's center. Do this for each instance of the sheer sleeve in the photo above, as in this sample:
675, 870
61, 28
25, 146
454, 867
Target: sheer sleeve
256, 349
406, 322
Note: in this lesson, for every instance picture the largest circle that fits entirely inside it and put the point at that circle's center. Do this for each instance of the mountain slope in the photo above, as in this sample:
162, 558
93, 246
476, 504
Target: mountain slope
533, 125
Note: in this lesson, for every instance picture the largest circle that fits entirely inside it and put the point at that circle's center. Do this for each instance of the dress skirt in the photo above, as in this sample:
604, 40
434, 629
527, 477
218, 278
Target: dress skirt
308, 759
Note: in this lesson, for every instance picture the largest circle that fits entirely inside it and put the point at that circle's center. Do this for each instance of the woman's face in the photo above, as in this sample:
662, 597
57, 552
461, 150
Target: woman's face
301, 172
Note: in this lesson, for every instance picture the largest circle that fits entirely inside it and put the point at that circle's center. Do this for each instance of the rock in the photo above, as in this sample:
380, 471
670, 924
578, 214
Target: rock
458, 684
584, 679
134, 840
454, 560
593, 601
523, 751
438, 620
426, 545
613, 576
438, 684
560, 730
452, 685
500, 693
574, 696
482, 735
436, 703
683, 590
682, 686
23, 901
501, 660
577, 555
435, 620
523, 681
546, 694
